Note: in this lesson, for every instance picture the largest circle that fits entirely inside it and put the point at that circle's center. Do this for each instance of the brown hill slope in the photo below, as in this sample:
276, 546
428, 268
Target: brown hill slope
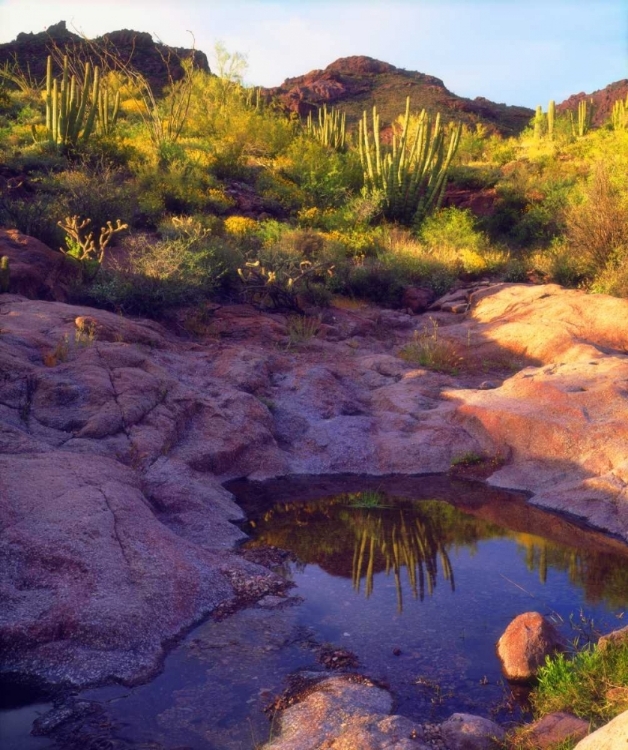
30, 51
356, 83
603, 100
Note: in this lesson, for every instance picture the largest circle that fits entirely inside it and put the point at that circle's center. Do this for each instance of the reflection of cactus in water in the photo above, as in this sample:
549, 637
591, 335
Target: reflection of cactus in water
411, 544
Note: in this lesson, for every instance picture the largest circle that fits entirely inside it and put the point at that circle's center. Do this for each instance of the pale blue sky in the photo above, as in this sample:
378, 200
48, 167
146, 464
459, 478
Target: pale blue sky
513, 51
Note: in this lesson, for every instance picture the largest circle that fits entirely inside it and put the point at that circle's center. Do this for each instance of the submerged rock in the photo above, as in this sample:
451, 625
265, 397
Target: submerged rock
345, 713
469, 732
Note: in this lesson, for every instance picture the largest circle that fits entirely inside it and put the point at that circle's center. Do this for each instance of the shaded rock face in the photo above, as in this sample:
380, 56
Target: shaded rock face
155, 61
611, 736
356, 83
417, 299
525, 644
345, 713
36, 271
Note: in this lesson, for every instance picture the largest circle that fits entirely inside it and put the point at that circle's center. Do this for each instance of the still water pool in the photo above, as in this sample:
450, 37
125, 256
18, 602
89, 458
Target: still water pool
415, 577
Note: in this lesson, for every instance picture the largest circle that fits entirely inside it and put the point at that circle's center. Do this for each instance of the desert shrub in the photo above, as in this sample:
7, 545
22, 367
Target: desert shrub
375, 281
430, 350
158, 275
280, 195
326, 177
613, 277
101, 195
560, 264
475, 177
181, 188
452, 228
279, 277
597, 226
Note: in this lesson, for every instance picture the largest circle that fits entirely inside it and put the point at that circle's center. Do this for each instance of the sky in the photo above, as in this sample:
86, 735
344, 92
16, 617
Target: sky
514, 51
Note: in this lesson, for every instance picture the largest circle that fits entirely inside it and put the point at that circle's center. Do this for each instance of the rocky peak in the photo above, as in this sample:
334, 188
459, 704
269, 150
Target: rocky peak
360, 65
152, 59
356, 83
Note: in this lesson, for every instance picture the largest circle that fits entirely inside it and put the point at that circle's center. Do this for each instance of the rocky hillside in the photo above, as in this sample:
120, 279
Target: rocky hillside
603, 100
152, 59
356, 83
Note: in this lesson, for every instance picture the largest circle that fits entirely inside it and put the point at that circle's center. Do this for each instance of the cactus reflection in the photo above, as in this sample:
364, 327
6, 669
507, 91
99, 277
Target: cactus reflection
348, 536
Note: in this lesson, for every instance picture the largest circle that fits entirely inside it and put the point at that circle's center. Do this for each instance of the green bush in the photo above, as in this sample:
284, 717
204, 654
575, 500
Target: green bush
597, 227
159, 275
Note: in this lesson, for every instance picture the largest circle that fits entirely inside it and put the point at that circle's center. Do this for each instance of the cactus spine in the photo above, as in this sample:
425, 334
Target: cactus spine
331, 128
4, 274
551, 118
412, 174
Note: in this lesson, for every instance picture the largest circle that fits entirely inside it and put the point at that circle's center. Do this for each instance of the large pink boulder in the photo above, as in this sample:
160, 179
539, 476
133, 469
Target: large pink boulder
525, 644
36, 271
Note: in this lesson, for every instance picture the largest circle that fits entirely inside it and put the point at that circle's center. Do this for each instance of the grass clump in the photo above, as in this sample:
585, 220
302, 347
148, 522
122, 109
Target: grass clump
428, 349
592, 684
302, 329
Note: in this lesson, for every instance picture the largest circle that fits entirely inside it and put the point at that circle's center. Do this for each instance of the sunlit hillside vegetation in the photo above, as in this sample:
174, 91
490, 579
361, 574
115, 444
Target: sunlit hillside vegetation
225, 196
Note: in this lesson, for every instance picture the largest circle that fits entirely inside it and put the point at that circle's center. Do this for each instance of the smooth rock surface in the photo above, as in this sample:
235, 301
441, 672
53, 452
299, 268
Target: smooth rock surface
525, 644
612, 736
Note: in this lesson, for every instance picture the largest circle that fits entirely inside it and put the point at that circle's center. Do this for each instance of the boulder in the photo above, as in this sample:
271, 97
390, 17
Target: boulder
526, 642
615, 638
417, 299
611, 736
469, 732
552, 730
36, 271
345, 713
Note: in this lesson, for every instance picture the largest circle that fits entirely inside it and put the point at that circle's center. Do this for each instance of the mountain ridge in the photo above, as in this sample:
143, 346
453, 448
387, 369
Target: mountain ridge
157, 62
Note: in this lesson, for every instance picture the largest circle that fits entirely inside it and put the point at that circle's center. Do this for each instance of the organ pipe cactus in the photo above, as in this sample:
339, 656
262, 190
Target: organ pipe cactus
619, 114
538, 123
410, 176
73, 107
585, 111
331, 128
551, 118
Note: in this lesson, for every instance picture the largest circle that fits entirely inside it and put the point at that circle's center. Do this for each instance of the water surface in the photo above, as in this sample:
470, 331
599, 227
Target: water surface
417, 577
